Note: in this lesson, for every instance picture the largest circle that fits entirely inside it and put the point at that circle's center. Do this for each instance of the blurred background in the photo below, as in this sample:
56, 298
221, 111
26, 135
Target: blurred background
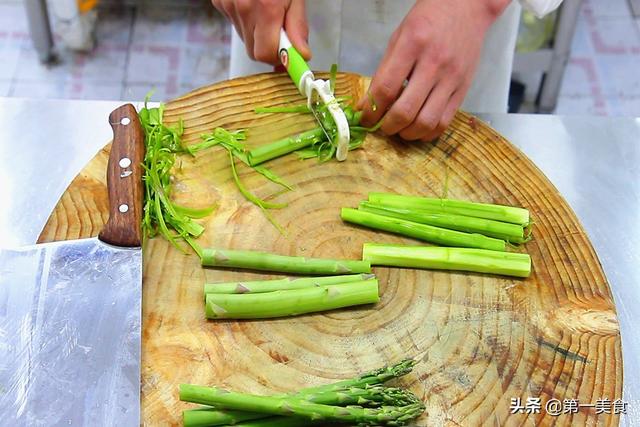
585, 59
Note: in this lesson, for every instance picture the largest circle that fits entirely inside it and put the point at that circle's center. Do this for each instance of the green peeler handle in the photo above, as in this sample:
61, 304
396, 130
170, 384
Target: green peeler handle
295, 64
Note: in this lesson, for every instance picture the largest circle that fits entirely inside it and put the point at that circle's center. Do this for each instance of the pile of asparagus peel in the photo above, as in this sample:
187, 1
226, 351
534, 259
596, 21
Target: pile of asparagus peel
361, 401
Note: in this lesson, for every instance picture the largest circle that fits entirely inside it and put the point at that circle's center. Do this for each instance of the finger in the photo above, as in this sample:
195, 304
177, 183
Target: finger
427, 124
245, 18
365, 100
387, 82
404, 111
266, 33
227, 8
295, 24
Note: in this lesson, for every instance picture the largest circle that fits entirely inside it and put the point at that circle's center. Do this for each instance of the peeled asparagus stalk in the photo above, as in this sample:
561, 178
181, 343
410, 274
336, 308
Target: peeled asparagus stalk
464, 259
288, 283
428, 233
256, 260
510, 214
513, 233
291, 302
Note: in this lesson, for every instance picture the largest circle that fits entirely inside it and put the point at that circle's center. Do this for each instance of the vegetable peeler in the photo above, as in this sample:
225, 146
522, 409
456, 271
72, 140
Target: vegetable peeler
318, 92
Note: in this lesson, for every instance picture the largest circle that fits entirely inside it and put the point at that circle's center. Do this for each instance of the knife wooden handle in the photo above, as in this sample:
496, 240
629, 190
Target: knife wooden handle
124, 179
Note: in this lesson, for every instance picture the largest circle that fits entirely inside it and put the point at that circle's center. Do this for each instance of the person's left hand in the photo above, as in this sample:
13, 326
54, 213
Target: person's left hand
436, 48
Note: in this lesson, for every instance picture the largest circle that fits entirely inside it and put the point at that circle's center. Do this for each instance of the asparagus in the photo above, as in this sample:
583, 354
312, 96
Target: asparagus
294, 406
291, 302
459, 207
424, 232
286, 264
500, 230
284, 146
465, 259
259, 286
376, 395
368, 379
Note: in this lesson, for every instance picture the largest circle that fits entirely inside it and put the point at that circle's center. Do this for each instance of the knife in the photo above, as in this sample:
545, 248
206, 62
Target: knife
70, 312
318, 92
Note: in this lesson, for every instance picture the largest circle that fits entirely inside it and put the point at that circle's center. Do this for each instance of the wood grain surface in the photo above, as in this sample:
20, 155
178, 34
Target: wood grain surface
481, 340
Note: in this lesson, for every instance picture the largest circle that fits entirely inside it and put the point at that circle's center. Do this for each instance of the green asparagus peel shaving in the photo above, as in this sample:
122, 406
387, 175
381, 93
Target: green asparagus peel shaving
333, 73
302, 108
296, 407
510, 214
161, 215
260, 286
291, 302
232, 142
439, 258
256, 260
500, 230
428, 233
370, 379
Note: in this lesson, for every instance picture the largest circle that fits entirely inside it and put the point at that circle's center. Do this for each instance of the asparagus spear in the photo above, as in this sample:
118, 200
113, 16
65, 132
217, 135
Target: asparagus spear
287, 264
425, 232
214, 417
288, 283
465, 259
459, 207
284, 146
293, 406
291, 302
376, 395
500, 230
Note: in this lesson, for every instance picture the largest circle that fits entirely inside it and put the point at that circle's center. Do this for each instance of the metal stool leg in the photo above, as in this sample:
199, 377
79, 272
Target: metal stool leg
561, 50
40, 29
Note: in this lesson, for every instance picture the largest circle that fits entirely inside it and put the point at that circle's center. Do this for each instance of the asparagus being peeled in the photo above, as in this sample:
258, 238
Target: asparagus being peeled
513, 233
210, 417
428, 233
296, 407
459, 207
464, 259
259, 286
280, 263
291, 302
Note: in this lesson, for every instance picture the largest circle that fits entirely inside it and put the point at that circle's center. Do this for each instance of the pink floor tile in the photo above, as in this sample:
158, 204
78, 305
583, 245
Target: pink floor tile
609, 8
138, 91
203, 66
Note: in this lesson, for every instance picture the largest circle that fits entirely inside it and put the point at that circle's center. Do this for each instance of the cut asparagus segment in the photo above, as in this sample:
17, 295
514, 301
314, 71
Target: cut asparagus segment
286, 264
208, 416
288, 283
291, 302
465, 259
459, 207
376, 395
513, 233
293, 406
425, 232
366, 380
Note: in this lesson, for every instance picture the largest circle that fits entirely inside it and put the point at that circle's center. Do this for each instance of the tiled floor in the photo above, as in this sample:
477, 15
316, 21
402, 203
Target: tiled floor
181, 46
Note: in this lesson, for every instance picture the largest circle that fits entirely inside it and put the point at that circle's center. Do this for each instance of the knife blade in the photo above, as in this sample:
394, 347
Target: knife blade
70, 312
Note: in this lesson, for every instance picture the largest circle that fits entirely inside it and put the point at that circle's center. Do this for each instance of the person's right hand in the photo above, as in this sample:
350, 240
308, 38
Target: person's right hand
258, 24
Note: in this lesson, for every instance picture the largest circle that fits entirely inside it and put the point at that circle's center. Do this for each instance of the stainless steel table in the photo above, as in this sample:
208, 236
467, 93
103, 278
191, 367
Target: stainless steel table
594, 162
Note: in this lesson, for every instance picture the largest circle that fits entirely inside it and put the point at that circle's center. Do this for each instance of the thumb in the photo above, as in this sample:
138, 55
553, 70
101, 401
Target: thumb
295, 24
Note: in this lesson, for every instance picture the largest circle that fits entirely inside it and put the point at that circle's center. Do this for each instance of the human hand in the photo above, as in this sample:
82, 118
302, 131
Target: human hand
436, 48
258, 23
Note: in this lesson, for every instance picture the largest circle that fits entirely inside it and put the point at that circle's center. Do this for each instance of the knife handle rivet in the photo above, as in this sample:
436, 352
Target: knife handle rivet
123, 208
125, 162
125, 121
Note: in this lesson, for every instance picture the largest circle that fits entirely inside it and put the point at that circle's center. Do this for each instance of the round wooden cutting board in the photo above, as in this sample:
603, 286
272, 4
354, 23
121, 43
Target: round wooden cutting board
482, 340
